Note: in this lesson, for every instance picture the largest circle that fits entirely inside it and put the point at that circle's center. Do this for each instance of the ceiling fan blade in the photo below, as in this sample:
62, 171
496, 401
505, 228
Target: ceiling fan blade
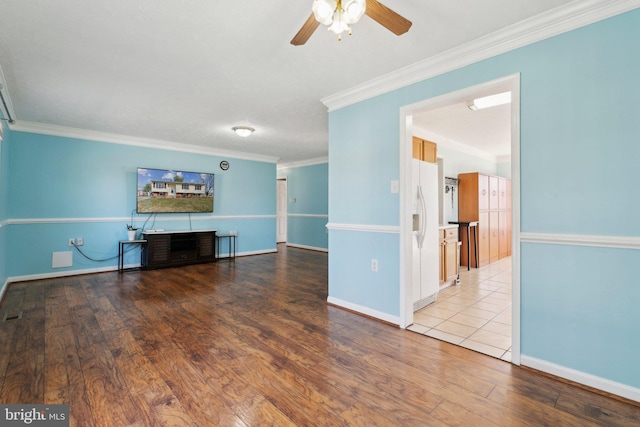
305, 32
386, 17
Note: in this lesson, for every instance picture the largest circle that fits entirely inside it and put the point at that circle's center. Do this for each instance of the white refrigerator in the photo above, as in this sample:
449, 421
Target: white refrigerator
426, 249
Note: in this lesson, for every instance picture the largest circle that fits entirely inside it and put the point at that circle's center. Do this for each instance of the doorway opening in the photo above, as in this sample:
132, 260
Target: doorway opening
281, 210
478, 278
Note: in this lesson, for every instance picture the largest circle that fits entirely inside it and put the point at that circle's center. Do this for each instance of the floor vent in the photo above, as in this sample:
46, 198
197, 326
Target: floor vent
8, 317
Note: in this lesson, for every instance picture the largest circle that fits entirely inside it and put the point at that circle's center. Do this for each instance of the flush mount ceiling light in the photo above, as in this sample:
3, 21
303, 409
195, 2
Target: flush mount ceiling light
490, 101
338, 15
243, 131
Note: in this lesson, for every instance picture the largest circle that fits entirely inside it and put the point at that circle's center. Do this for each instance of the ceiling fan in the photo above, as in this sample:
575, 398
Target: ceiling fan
339, 14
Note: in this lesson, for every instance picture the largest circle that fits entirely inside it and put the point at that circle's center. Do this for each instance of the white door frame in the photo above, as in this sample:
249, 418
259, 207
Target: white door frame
281, 215
511, 83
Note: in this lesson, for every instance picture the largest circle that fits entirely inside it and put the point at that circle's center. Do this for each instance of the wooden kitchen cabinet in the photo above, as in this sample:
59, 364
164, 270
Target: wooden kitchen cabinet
486, 199
504, 199
483, 194
493, 193
424, 150
494, 236
449, 262
483, 240
504, 239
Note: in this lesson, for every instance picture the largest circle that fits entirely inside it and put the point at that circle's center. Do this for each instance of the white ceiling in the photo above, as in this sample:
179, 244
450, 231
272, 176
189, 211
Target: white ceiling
487, 130
187, 71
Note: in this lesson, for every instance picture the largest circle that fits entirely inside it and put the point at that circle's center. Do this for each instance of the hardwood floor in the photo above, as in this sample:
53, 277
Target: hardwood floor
252, 342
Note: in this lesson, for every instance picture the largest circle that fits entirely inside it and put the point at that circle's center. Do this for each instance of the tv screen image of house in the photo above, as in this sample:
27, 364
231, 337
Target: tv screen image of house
173, 191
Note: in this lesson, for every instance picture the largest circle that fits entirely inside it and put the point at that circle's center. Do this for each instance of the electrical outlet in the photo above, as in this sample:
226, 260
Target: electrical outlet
79, 241
72, 242
374, 265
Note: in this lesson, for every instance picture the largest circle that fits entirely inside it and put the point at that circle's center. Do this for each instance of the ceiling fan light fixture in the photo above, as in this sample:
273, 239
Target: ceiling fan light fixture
243, 131
337, 17
354, 9
323, 11
339, 24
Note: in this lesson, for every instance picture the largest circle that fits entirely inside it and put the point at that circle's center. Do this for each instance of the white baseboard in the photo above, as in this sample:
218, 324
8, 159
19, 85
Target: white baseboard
3, 288
312, 248
260, 252
54, 275
583, 378
66, 273
395, 320
424, 302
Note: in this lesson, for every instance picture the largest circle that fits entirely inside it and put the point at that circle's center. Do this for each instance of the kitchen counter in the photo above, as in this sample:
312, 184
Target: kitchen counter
468, 225
446, 226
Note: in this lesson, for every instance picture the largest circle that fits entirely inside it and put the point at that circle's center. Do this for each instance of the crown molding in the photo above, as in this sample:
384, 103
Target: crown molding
560, 20
112, 138
7, 97
302, 163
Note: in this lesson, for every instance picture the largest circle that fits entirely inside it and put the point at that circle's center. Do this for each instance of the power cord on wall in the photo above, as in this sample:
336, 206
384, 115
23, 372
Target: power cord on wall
153, 215
100, 260
144, 226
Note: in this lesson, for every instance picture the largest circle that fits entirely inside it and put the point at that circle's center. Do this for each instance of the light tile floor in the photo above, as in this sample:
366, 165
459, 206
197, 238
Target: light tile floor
475, 314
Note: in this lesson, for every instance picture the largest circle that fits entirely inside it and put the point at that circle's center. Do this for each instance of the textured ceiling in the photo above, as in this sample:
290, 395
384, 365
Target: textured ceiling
187, 71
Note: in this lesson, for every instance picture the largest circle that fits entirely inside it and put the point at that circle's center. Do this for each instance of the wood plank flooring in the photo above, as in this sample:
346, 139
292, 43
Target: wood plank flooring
252, 342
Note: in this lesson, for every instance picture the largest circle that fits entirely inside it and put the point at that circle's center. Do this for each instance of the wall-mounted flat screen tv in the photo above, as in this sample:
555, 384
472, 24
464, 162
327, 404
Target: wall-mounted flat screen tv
173, 191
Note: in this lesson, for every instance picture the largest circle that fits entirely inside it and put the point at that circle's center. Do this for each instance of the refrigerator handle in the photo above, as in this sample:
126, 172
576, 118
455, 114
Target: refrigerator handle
418, 229
423, 217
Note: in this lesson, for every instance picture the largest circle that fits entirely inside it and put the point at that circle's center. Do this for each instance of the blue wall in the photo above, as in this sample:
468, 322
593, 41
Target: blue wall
307, 217
61, 188
579, 165
580, 310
